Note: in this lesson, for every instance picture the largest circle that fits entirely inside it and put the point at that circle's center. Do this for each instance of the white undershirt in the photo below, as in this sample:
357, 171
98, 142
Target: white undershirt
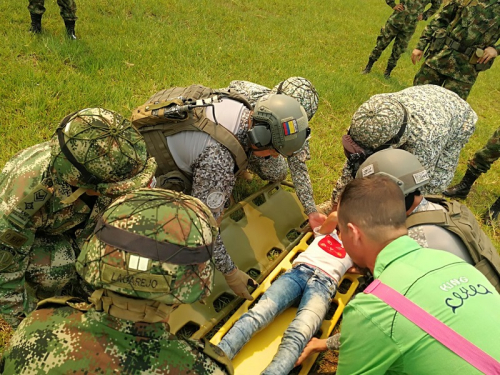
187, 146
335, 262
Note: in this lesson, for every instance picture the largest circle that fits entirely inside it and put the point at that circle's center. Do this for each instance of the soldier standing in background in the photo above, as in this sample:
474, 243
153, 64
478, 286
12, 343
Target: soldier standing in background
400, 26
151, 252
50, 191
68, 14
461, 43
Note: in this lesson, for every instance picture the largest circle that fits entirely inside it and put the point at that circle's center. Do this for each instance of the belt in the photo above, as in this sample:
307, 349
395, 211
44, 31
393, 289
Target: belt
454, 45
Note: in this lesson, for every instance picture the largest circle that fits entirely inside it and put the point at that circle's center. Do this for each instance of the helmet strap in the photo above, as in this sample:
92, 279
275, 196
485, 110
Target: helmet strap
86, 177
136, 310
73, 197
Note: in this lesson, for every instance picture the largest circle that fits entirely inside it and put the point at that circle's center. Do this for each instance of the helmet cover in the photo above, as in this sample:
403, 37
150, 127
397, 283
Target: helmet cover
152, 244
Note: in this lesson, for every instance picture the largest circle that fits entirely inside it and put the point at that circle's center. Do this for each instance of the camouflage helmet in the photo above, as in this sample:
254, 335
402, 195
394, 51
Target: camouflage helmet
379, 121
401, 166
152, 244
280, 123
302, 90
98, 149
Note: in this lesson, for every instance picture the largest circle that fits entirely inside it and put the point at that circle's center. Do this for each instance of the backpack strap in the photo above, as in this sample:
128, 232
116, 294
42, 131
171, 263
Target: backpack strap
436, 217
157, 146
458, 219
435, 328
228, 139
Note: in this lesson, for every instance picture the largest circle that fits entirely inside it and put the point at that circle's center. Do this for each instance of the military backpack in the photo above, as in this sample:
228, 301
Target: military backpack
458, 219
179, 109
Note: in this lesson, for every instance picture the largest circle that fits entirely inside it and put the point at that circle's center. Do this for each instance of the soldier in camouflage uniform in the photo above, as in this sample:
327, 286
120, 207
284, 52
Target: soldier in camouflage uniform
461, 43
400, 26
150, 252
276, 169
50, 191
428, 121
211, 166
68, 14
479, 164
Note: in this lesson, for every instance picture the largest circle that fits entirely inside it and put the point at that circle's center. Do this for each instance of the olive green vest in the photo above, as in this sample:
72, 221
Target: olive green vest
457, 218
156, 121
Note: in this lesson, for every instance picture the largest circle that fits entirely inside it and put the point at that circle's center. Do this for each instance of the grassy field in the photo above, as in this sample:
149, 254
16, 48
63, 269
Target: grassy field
129, 50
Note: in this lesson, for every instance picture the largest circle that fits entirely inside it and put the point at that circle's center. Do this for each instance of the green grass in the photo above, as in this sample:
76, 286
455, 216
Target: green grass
129, 50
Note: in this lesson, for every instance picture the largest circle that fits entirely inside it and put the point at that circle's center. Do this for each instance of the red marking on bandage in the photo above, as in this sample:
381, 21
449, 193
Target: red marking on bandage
332, 246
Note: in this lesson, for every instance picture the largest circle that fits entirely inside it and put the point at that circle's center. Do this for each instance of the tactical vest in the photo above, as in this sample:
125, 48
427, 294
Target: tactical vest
458, 219
155, 120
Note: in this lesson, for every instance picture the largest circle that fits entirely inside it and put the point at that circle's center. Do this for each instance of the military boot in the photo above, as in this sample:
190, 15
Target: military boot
368, 67
70, 29
36, 23
461, 190
388, 70
492, 213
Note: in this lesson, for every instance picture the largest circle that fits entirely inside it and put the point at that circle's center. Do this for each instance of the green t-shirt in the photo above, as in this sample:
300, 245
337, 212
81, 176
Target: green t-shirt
377, 340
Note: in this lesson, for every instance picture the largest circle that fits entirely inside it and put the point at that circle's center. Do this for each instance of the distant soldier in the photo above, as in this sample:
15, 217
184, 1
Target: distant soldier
460, 43
400, 26
48, 192
150, 252
68, 14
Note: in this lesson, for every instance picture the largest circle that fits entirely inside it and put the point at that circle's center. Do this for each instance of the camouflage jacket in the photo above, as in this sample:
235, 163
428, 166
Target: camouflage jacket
477, 27
64, 340
22, 174
440, 123
408, 18
296, 163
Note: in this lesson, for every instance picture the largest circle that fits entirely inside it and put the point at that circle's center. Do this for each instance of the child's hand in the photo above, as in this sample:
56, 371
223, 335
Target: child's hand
330, 223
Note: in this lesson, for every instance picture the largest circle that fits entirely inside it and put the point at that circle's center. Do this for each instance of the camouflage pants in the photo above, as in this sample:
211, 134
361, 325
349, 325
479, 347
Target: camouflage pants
483, 158
427, 75
270, 169
68, 8
29, 278
401, 40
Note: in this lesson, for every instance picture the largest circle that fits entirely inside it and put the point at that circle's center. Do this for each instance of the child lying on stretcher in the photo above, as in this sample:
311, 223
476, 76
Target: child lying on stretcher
313, 281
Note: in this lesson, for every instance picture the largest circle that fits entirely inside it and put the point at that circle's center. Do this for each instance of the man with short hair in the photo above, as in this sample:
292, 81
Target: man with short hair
372, 222
151, 252
400, 27
51, 191
428, 121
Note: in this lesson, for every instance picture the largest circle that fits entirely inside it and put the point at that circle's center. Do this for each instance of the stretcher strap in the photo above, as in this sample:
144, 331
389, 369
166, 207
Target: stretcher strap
434, 327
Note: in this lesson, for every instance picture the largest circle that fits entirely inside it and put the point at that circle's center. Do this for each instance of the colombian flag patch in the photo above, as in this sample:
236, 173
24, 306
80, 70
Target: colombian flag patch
290, 127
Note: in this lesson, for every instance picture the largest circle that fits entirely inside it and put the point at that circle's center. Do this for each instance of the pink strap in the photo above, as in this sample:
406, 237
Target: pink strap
434, 327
